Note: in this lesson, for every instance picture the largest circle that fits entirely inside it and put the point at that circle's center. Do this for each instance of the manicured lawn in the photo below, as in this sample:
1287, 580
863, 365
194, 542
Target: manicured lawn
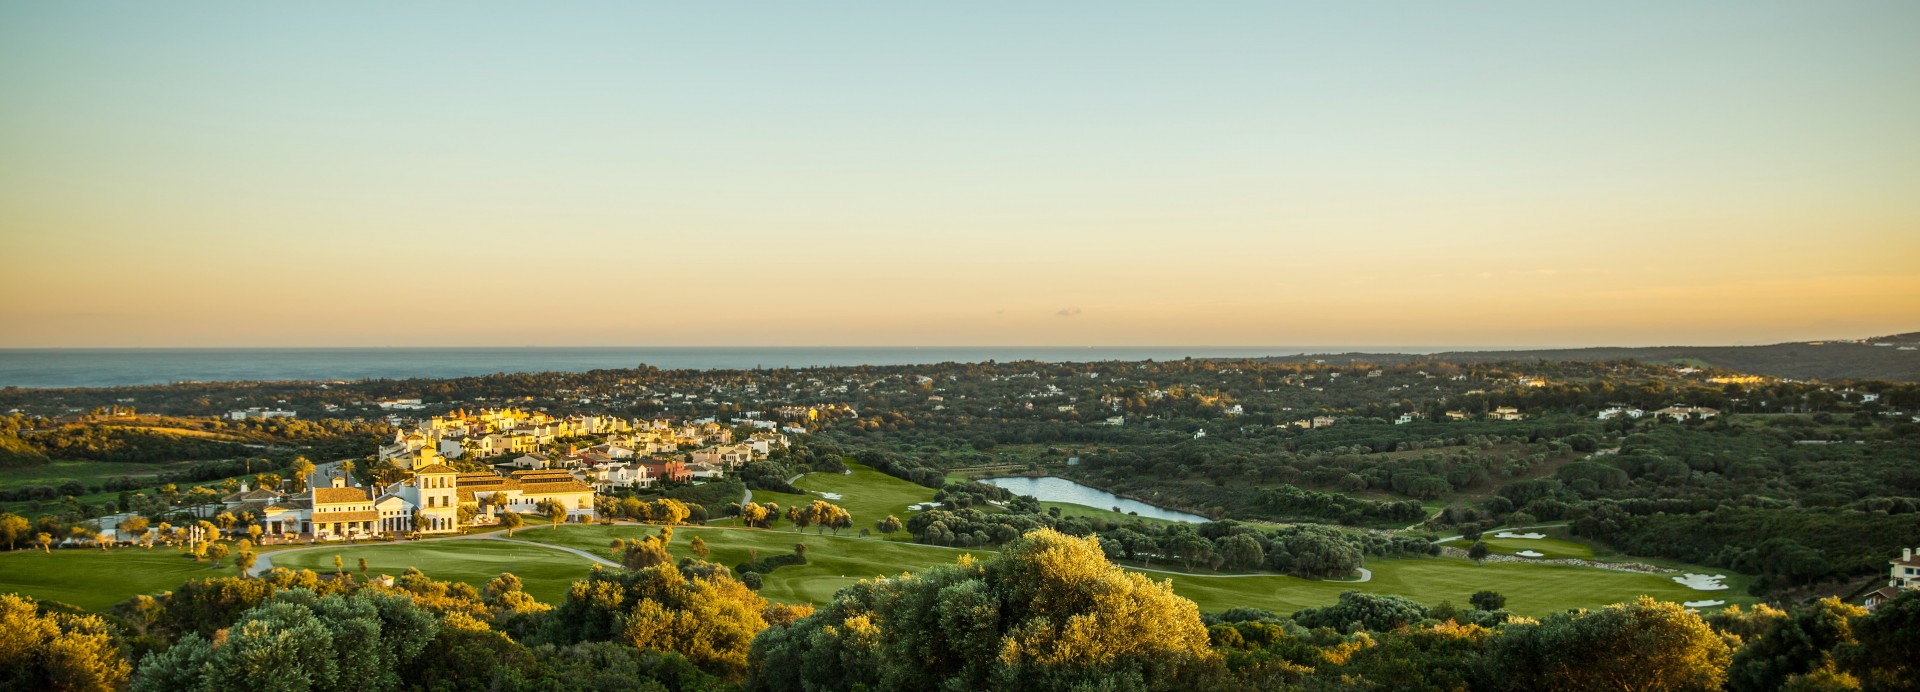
546, 572
868, 494
832, 562
1531, 589
1548, 547
95, 579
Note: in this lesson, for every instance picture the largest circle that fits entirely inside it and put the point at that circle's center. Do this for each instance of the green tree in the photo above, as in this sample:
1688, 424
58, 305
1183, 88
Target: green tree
555, 512
1240, 551
1888, 653
699, 547
217, 552
1794, 645
708, 617
300, 640
135, 526
13, 528
56, 651
1048, 613
1376, 612
1487, 600
511, 521
1478, 553
891, 524
1644, 645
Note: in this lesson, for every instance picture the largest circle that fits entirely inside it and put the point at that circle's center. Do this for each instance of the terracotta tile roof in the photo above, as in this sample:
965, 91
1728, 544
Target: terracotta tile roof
553, 487
436, 468
334, 496
254, 494
289, 506
1909, 562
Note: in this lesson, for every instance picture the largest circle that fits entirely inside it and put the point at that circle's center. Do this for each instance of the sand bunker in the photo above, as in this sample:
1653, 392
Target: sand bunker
1703, 604
923, 506
830, 496
1702, 582
1531, 553
1510, 534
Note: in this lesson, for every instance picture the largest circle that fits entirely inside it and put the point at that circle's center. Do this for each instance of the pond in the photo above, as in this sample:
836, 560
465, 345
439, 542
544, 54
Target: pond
1054, 489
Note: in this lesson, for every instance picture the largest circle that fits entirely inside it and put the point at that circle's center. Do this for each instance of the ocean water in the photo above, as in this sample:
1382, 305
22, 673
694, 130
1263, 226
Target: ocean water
122, 367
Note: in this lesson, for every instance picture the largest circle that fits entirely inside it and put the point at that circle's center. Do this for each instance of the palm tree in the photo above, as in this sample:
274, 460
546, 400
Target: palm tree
302, 469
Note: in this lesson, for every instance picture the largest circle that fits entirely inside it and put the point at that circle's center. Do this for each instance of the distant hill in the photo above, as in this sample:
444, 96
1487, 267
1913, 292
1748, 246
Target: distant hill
1817, 360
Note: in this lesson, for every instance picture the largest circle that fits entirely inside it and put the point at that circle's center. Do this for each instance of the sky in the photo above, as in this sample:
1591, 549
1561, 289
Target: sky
984, 173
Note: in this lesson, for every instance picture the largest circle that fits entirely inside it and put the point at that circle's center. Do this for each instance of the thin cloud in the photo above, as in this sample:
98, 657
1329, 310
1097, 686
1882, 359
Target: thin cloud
1068, 312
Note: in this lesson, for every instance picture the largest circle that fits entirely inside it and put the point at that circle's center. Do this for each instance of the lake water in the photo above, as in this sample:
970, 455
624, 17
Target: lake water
1053, 489
95, 367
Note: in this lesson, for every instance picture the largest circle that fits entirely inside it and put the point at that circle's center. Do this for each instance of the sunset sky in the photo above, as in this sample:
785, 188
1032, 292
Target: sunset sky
887, 173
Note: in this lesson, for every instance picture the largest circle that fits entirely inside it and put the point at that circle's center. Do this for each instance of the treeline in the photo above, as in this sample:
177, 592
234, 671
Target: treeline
901, 467
115, 443
1309, 550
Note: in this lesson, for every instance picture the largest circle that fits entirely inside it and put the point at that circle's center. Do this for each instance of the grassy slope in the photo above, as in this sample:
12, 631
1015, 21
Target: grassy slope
63, 470
1549, 547
546, 572
868, 494
96, 579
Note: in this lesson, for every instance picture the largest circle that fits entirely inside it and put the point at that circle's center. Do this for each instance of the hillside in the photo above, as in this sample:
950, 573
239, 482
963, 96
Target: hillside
1830, 360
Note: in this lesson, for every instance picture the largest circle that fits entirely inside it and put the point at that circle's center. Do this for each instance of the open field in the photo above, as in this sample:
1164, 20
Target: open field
546, 572
95, 579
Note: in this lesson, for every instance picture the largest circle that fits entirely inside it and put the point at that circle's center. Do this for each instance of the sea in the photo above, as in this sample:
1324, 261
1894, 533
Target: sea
86, 367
